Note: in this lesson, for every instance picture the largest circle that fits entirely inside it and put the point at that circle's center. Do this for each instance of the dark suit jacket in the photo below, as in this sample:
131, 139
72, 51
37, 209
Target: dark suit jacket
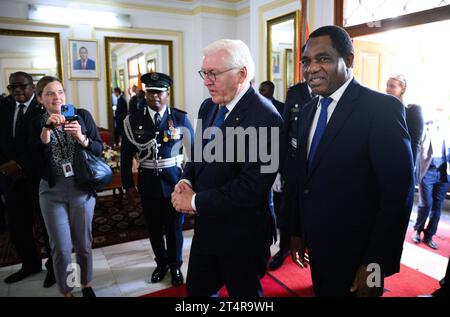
90, 64
120, 114
17, 148
356, 199
415, 123
231, 198
278, 105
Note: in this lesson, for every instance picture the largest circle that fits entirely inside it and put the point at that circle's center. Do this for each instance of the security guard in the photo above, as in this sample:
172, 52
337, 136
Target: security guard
155, 134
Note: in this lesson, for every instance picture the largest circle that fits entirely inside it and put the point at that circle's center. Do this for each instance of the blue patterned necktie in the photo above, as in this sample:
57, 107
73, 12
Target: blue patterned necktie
218, 121
320, 129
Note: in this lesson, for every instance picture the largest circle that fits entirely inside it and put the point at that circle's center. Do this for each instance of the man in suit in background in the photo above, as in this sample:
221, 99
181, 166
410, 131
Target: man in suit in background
267, 89
119, 115
285, 182
84, 63
355, 175
434, 177
233, 227
20, 180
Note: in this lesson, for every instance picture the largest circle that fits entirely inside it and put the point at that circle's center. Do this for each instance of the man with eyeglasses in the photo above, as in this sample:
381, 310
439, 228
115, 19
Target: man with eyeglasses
19, 177
233, 227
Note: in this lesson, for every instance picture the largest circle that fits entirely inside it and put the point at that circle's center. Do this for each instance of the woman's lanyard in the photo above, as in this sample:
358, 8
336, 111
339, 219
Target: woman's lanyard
66, 167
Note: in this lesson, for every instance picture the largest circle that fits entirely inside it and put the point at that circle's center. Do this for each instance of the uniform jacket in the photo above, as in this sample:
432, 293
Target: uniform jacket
144, 130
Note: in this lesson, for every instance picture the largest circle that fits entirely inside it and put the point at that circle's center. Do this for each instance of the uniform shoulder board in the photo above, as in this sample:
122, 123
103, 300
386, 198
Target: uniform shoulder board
178, 110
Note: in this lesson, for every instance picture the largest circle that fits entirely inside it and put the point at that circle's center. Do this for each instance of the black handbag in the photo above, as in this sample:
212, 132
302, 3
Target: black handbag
90, 171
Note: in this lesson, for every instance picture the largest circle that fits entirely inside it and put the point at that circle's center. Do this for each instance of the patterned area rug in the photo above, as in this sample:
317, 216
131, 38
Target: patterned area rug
115, 221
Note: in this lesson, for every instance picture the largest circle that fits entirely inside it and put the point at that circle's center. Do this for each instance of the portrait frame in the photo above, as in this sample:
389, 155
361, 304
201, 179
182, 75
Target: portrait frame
276, 64
89, 70
288, 68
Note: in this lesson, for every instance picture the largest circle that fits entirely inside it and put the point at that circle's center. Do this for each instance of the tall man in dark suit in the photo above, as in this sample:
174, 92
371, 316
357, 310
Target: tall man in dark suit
155, 133
228, 193
20, 181
355, 175
285, 182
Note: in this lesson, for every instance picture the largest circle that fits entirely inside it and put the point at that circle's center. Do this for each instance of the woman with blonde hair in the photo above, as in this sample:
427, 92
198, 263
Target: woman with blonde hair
67, 208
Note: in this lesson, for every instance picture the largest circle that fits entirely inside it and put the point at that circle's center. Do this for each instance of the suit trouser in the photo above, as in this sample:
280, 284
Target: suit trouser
22, 206
162, 219
68, 212
432, 191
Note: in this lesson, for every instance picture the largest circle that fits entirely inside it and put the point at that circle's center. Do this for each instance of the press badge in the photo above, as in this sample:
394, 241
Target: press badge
67, 169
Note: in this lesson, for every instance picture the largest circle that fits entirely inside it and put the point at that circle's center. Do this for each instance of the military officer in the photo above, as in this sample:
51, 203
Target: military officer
155, 134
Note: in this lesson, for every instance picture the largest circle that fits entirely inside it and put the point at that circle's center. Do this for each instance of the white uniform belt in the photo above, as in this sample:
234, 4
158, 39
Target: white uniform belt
162, 163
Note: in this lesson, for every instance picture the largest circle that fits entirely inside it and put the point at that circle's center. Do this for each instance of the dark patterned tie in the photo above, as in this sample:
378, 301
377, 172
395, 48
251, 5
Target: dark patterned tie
218, 121
157, 120
19, 119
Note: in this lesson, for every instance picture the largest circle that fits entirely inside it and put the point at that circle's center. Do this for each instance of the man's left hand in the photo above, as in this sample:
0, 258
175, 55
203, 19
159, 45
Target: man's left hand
361, 287
181, 201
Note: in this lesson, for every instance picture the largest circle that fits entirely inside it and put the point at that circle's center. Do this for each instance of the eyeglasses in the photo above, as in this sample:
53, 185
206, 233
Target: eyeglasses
212, 75
20, 86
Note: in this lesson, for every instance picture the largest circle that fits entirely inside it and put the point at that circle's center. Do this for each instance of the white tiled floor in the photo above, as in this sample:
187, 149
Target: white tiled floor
124, 270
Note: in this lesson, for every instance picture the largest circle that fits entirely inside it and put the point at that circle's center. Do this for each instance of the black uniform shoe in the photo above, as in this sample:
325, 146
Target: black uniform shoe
49, 279
159, 273
21, 274
177, 276
416, 236
88, 292
277, 260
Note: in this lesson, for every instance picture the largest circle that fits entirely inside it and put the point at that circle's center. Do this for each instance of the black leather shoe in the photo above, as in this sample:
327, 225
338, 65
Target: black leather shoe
49, 279
88, 292
276, 261
431, 244
416, 236
159, 273
177, 276
20, 275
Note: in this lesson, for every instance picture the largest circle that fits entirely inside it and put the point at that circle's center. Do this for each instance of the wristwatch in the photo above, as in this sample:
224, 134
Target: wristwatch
48, 126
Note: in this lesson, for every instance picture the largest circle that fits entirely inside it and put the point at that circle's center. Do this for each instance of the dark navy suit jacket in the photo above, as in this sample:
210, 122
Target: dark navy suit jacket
231, 198
90, 64
356, 199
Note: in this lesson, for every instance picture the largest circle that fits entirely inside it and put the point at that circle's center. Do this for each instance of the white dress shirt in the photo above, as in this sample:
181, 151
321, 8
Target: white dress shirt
336, 96
153, 112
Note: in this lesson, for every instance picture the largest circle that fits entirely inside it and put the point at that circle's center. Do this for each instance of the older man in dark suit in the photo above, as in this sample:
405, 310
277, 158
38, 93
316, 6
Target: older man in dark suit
20, 179
233, 228
355, 175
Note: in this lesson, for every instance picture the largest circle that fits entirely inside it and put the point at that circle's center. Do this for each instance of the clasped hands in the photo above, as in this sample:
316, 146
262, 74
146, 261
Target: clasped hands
182, 197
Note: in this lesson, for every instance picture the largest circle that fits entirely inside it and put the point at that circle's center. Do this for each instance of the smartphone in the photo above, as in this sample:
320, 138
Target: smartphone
68, 111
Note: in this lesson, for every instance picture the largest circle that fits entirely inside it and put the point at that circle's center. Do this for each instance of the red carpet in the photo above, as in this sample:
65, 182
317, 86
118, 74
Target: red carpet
442, 239
291, 281
271, 288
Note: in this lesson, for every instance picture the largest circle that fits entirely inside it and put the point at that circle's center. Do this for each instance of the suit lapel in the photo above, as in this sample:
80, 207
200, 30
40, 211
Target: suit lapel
234, 118
337, 121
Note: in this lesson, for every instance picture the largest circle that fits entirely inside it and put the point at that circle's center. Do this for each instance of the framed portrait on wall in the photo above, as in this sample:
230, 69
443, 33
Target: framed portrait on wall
288, 68
83, 59
276, 64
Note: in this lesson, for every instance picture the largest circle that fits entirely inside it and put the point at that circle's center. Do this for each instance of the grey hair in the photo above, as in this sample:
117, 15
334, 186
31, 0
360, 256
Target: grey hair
237, 54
